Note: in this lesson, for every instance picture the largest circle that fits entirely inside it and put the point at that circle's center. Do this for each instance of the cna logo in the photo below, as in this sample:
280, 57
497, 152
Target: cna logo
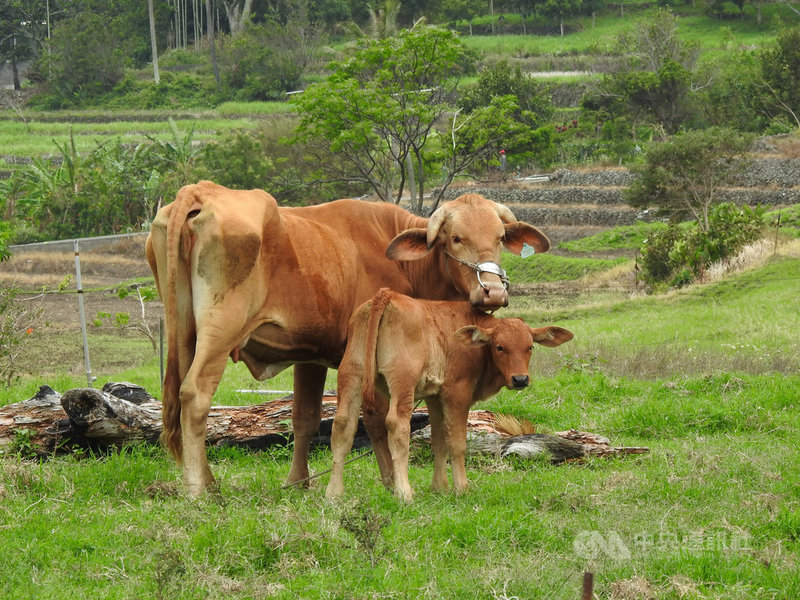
593, 544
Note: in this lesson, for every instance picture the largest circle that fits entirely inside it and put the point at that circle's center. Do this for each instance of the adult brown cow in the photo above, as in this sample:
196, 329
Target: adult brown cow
274, 286
447, 353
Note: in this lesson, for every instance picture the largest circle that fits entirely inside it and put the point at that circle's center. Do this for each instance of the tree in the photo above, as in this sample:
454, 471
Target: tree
456, 10
560, 9
656, 80
473, 137
238, 13
502, 79
592, 6
87, 58
153, 43
21, 32
381, 105
780, 71
266, 60
681, 177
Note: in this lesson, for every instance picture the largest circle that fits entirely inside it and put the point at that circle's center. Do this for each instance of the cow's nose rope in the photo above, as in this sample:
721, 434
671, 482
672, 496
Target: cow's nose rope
484, 267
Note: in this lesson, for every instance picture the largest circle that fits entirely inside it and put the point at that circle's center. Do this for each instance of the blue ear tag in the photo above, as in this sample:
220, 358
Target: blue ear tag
527, 250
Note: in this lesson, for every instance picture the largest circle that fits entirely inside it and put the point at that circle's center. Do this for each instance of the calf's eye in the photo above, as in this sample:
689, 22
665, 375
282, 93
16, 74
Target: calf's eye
499, 348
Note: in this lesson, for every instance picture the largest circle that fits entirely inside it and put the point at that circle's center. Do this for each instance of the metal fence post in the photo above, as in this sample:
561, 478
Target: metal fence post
89, 377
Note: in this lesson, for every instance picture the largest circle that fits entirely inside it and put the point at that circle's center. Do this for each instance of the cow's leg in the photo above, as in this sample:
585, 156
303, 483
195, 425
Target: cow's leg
455, 422
344, 429
375, 424
309, 382
438, 444
195, 397
398, 425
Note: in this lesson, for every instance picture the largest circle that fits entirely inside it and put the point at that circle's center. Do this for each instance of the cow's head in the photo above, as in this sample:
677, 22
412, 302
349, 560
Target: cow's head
469, 233
511, 343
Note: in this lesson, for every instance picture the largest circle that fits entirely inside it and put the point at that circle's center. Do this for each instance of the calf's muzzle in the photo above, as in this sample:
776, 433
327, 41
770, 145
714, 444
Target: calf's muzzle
520, 381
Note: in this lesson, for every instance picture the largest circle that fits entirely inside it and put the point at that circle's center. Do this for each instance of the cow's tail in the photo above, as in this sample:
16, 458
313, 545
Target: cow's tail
377, 307
179, 326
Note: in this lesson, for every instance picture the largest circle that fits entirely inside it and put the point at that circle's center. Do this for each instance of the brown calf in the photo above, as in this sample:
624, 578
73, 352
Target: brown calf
444, 352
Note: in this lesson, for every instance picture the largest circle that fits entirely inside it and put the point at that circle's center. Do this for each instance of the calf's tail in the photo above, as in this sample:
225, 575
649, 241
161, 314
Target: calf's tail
377, 306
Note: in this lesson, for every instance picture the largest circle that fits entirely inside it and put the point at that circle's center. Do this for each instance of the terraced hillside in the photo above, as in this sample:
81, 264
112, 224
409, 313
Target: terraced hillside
570, 204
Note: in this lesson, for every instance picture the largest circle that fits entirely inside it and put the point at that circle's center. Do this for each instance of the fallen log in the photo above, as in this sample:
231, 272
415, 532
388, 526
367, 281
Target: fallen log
35, 426
123, 413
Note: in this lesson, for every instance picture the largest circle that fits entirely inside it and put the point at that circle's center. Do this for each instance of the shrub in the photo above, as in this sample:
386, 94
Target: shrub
678, 255
18, 322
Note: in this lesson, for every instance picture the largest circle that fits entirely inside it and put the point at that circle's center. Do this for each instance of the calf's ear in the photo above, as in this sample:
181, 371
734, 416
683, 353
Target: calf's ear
518, 234
412, 244
472, 335
551, 336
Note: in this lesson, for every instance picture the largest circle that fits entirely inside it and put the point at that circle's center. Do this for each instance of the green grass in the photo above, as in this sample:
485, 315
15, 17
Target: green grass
710, 512
39, 138
740, 324
623, 237
254, 108
550, 267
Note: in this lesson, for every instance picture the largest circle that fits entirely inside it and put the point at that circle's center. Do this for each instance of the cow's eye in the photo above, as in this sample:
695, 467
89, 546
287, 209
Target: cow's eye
456, 239
499, 348
531, 348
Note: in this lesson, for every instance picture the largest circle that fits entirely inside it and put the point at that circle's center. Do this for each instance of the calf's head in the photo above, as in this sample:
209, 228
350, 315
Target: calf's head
511, 343
470, 233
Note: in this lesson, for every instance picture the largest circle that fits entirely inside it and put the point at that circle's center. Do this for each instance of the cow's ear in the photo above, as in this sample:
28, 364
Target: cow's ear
412, 244
472, 335
551, 336
519, 234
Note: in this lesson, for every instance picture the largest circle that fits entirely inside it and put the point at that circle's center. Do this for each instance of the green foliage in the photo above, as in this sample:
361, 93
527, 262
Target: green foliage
733, 97
533, 98
23, 443
780, 67
380, 106
174, 90
655, 80
681, 177
365, 525
5, 233
679, 255
87, 58
261, 158
112, 189
264, 61
532, 109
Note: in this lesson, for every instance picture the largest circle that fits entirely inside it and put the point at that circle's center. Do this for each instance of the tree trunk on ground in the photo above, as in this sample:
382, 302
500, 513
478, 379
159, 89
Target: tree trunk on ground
121, 414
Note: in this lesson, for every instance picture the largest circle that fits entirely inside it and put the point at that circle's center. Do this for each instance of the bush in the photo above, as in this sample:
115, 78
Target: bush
678, 254
265, 61
18, 322
87, 59
261, 159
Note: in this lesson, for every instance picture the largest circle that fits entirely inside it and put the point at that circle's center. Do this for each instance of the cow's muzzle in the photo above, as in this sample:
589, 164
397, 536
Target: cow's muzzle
490, 294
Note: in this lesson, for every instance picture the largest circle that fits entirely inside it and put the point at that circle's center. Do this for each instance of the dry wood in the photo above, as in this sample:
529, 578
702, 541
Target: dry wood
124, 413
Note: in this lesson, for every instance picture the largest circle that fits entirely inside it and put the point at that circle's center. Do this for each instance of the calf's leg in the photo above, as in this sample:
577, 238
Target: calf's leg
438, 444
398, 425
344, 428
375, 424
455, 422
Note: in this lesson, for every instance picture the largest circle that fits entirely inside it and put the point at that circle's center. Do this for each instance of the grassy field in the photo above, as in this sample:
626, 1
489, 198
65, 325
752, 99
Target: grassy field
707, 378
